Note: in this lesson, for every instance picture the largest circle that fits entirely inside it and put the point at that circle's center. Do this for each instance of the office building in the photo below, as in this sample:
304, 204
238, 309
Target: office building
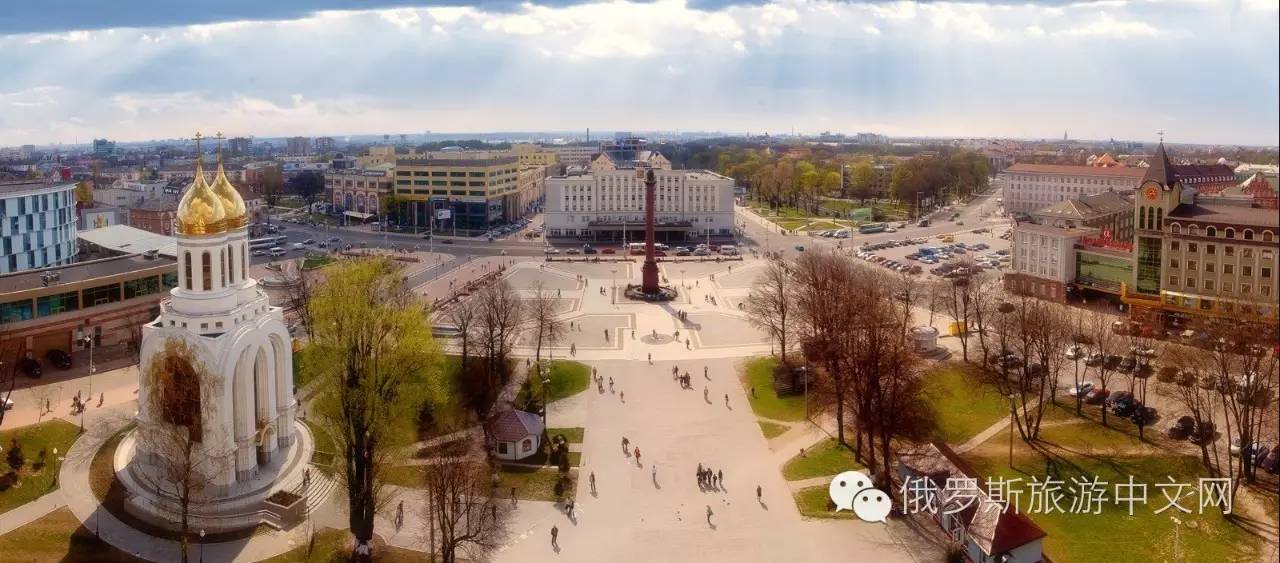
1027, 187
37, 225
1110, 212
462, 194
325, 144
103, 147
108, 299
239, 146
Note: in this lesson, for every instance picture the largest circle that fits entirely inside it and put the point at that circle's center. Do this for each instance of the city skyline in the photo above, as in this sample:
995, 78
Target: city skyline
1109, 69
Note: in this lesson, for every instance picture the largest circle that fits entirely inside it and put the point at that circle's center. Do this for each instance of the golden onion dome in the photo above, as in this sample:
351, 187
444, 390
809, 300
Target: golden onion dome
232, 204
200, 212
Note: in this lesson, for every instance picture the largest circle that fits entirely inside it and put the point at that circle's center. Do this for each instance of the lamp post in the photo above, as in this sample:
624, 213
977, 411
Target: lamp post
682, 284
613, 285
55, 468
201, 545
87, 340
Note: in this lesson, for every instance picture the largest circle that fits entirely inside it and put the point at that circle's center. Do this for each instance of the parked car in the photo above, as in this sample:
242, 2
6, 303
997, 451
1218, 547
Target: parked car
1083, 389
335, 239
58, 358
6, 403
309, 241
1095, 359
1096, 396
573, 251
1075, 352
609, 251
1127, 365
30, 367
1181, 428
1143, 414
259, 252
800, 247
1271, 461
1204, 433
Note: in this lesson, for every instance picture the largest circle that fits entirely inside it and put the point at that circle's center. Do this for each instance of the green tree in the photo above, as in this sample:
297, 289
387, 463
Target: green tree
862, 180
374, 349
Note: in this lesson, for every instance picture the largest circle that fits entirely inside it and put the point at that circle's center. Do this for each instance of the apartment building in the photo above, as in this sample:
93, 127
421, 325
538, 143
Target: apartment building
1044, 260
1027, 187
359, 190
37, 225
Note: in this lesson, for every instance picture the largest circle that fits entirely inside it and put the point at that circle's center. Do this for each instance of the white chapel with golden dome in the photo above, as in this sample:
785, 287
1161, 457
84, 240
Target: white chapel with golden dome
225, 359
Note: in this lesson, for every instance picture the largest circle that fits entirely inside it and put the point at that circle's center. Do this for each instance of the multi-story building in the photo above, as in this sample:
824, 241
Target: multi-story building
122, 193
108, 299
298, 146
1044, 259
240, 146
103, 147
359, 190
37, 225
182, 170
1205, 178
325, 144
155, 215
606, 202
1198, 255
1027, 187
458, 194
574, 155
534, 156
1110, 212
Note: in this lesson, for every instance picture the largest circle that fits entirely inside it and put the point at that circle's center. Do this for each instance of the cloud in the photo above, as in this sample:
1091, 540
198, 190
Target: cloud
678, 64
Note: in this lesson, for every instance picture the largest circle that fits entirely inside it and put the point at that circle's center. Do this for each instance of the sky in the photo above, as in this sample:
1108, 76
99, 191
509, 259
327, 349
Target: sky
1202, 71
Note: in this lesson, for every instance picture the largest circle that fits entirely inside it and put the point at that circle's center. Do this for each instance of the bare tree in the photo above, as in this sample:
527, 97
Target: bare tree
824, 291
463, 315
299, 284
770, 305
500, 315
1104, 344
184, 458
957, 303
542, 314
463, 511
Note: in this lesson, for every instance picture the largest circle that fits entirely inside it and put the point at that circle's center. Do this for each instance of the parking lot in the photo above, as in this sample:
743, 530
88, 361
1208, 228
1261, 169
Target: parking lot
940, 255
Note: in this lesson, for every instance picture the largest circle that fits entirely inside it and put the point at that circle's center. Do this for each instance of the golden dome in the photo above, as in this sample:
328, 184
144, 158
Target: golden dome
232, 204
200, 212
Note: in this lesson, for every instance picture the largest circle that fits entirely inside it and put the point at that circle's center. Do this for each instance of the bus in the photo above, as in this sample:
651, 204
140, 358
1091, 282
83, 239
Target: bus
267, 242
873, 228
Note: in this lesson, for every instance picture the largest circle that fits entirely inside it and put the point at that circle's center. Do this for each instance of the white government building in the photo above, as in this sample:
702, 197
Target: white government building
242, 405
602, 201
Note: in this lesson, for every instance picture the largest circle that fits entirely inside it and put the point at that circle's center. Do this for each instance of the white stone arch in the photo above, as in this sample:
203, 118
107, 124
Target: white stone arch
242, 397
264, 401
284, 403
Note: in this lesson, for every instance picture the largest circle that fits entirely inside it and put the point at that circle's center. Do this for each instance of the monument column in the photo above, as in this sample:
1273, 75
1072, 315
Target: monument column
649, 272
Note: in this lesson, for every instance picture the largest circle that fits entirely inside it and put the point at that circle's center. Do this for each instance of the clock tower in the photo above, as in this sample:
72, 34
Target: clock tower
1158, 193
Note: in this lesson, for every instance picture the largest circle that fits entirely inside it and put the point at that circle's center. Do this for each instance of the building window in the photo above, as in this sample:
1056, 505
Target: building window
1174, 245
1208, 267
1228, 268
1229, 250
101, 295
206, 268
1248, 234
57, 303
142, 286
1244, 289
1173, 263
15, 311
1246, 271
1211, 232
231, 263
1211, 249
1173, 280
186, 267
1208, 285
1191, 265
1193, 247
1230, 232
1226, 287
1266, 272
1191, 282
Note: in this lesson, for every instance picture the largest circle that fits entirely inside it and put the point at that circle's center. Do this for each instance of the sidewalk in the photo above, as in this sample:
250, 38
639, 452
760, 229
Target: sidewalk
30, 512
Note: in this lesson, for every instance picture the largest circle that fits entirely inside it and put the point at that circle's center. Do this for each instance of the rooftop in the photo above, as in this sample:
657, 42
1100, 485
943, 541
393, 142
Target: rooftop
84, 271
1055, 231
1073, 170
1226, 213
128, 240
458, 162
1088, 207
8, 188
513, 425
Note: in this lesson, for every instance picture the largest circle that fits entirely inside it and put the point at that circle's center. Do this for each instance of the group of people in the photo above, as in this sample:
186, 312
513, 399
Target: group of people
78, 405
709, 478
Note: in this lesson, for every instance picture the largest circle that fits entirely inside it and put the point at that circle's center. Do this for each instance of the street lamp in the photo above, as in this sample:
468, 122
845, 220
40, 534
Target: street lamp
682, 284
201, 545
87, 340
55, 468
613, 285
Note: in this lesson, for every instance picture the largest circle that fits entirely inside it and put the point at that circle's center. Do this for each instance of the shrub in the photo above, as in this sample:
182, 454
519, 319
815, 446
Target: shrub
15, 457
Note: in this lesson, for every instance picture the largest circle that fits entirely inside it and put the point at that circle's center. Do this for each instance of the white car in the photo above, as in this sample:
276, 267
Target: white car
6, 403
1075, 352
1080, 390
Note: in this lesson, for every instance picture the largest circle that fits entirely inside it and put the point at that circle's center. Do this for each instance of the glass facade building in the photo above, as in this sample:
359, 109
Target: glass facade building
37, 226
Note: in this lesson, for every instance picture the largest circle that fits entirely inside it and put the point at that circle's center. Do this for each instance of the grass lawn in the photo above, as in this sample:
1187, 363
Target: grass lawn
815, 502
964, 407
789, 224
826, 458
772, 429
568, 378
301, 375
531, 484
58, 536
574, 435
36, 476
313, 262
765, 402
326, 455
330, 545
1114, 535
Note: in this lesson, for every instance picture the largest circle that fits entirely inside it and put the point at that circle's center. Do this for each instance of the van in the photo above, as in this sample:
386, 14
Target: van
276, 251
729, 250
299, 246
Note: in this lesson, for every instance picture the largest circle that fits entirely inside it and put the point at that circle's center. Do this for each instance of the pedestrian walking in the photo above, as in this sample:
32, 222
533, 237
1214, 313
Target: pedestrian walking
622, 396
650, 358
555, 533
514, 501
568, 508
610, 384
606, 334
709, 514
637, 454
592, 480
726, 399
759, 494
706, 373
720, 477
706, 394
655, 473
